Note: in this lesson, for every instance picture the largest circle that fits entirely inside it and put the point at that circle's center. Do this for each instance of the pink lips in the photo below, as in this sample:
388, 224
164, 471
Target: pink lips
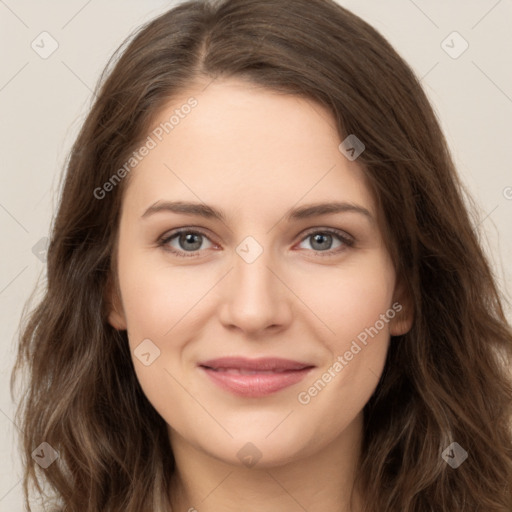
254, 377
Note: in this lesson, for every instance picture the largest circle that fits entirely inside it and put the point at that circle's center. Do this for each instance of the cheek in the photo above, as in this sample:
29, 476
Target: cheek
350, 298
356, 305
156, 297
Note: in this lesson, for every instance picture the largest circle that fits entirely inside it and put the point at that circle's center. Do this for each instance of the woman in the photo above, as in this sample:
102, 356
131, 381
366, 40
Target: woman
199, 348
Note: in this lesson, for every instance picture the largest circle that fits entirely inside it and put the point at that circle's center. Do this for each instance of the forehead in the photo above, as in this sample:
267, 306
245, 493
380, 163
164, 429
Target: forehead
248, 147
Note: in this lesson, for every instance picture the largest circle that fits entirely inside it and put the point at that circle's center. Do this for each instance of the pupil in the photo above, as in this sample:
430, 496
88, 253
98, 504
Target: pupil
317, 239
189, 239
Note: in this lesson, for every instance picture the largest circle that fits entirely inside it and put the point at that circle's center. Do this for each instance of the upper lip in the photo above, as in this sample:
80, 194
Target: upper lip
264, 363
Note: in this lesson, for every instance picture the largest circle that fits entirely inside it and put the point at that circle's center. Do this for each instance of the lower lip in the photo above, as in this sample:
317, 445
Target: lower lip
257, 384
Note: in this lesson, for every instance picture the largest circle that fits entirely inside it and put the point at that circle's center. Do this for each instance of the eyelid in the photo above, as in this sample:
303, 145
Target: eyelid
168, 236
331, 231
347, 239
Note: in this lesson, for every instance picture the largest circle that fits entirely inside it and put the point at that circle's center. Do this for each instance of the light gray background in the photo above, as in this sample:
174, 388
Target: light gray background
44, 101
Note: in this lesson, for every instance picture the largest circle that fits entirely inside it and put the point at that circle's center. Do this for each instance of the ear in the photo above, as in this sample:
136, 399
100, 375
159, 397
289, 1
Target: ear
404, 308
115, 311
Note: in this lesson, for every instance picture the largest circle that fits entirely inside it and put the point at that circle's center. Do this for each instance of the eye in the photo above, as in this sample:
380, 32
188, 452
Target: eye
188, 242
322, 241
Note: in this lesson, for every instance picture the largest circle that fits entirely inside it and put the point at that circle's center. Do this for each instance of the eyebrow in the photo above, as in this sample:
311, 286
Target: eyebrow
302, 212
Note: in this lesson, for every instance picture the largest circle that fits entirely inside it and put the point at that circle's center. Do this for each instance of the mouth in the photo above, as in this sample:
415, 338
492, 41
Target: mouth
254, 377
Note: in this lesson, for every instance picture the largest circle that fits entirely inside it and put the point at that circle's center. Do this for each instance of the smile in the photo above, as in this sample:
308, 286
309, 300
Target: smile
254, 378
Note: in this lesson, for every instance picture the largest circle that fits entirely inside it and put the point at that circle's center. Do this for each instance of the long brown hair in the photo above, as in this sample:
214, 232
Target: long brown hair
447, 380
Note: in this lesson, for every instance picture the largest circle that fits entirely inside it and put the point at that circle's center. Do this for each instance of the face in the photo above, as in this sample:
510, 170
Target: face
268, 277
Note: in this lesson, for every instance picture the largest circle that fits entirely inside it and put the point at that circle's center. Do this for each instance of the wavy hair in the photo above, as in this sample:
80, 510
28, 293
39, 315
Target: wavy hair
447, 380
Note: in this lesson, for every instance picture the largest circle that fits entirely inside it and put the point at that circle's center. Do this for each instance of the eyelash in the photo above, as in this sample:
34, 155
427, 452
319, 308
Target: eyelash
347, 241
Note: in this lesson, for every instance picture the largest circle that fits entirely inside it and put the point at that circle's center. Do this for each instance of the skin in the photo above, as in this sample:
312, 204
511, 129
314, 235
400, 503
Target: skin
255, 154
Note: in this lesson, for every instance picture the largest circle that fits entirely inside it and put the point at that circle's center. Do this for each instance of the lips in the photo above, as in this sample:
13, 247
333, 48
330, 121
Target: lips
254, 377
264, 364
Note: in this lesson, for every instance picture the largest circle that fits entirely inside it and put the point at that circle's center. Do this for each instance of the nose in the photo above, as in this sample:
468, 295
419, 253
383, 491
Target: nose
255, 297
